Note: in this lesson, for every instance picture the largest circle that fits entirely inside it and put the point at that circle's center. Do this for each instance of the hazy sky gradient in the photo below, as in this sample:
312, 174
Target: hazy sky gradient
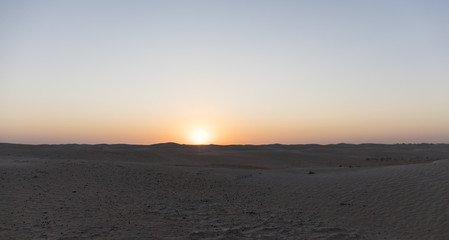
246, 71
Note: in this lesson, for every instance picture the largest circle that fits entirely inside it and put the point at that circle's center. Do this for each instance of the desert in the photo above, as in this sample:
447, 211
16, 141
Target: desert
272, 119
174, 191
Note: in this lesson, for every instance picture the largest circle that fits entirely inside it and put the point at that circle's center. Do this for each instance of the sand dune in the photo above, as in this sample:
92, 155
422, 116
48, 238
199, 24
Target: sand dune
171, 191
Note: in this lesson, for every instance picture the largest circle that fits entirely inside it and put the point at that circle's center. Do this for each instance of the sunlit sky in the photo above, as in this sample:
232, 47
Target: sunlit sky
224, 72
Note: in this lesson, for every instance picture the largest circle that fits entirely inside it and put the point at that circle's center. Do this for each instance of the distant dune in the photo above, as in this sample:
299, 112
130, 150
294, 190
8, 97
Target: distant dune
174, 191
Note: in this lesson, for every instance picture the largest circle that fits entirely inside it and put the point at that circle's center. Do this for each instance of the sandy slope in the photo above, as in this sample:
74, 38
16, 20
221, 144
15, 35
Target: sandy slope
171, 191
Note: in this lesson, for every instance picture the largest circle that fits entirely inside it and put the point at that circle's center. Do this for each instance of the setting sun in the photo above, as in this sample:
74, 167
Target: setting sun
200, 136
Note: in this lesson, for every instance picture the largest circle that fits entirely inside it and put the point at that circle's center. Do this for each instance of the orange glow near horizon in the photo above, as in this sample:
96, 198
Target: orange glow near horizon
210, 126
214, 127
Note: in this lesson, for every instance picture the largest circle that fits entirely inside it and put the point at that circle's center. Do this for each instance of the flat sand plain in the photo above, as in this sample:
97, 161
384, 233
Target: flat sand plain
172, 191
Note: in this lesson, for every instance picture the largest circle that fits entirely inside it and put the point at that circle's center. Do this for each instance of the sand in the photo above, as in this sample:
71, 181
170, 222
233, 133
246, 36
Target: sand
171, 191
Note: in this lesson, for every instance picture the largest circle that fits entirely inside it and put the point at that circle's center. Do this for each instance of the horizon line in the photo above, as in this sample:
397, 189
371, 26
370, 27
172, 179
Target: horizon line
236, 144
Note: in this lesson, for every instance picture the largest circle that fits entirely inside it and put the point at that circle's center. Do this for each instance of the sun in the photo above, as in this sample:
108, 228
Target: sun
200, 136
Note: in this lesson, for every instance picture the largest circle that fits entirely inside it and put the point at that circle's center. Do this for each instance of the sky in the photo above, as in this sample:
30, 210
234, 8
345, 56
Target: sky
224, 72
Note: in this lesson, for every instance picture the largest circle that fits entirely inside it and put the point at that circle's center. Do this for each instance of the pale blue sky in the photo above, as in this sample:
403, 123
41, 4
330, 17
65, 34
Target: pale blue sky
298, 71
